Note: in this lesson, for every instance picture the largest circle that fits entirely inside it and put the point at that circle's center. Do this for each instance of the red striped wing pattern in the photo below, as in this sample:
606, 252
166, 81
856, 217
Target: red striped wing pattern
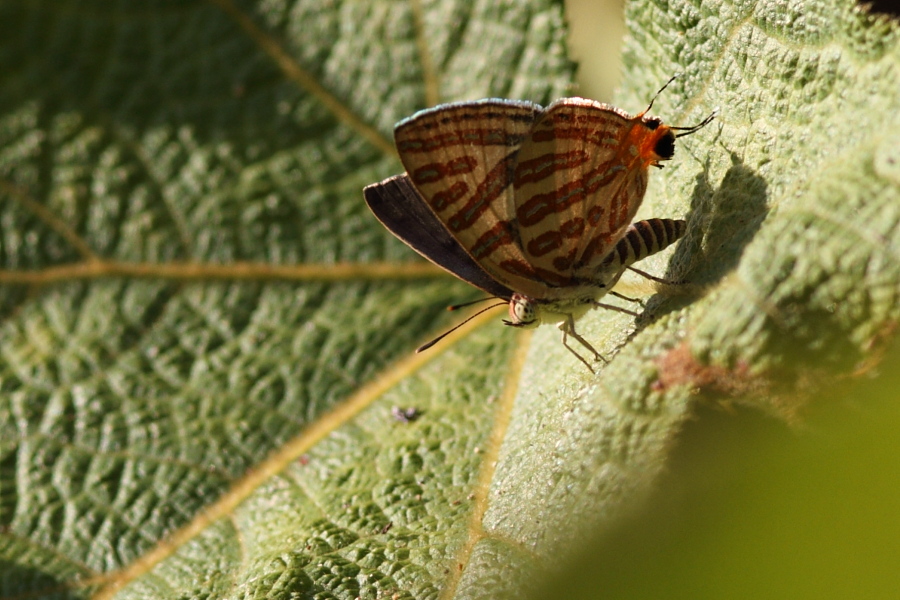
578, 188
461, 158
538, 197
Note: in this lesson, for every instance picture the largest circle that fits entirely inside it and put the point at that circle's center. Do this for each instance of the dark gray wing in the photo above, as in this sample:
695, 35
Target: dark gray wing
401, 209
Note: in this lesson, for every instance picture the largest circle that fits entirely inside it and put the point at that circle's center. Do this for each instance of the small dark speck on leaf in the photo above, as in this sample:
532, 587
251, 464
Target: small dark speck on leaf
405, 415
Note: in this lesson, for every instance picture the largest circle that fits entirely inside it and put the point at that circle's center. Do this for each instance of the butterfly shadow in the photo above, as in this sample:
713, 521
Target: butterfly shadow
721, 222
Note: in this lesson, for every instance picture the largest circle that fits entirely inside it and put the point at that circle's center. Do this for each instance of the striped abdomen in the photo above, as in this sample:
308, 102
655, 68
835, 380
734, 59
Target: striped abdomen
642, 239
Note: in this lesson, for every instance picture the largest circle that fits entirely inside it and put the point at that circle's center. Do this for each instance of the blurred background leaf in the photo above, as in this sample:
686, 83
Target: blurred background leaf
751, 509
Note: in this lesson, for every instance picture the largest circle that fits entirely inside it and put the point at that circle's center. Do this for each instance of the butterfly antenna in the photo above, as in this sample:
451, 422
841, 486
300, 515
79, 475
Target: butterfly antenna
689, 130
424, 347
649, 106
465, 304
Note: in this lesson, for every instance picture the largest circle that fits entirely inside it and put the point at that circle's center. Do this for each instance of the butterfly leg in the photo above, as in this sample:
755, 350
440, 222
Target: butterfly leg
615, 308
654, 277
628, 298
568, 328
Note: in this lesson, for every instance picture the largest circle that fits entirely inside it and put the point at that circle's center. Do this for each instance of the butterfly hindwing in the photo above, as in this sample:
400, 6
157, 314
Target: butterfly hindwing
461, 158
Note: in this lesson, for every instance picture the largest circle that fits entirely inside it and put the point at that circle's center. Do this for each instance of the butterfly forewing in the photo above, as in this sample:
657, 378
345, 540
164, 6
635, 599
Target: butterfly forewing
461, 158
577, 191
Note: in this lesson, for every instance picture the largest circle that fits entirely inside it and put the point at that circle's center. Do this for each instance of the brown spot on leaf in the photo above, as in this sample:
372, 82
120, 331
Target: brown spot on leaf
679, 367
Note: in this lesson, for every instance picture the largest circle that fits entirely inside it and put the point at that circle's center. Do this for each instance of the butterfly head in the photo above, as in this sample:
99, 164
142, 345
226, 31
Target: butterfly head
660, 144
664, 143
522, 312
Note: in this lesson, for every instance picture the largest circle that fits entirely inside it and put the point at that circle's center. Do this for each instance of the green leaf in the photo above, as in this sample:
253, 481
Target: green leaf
791, 257
205, 331
751, 509
196, 300
793, 208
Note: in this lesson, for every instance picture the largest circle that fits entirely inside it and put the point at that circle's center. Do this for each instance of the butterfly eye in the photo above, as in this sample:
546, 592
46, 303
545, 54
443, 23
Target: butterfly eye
665, 146
521, 311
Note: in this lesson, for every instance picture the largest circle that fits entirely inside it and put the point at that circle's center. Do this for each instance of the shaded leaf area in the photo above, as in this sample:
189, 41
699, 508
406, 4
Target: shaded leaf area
112, 449
379, 508
171, 134
790, 265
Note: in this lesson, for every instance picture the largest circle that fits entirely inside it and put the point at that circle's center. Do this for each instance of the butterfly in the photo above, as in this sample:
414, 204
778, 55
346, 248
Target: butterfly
534, 205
